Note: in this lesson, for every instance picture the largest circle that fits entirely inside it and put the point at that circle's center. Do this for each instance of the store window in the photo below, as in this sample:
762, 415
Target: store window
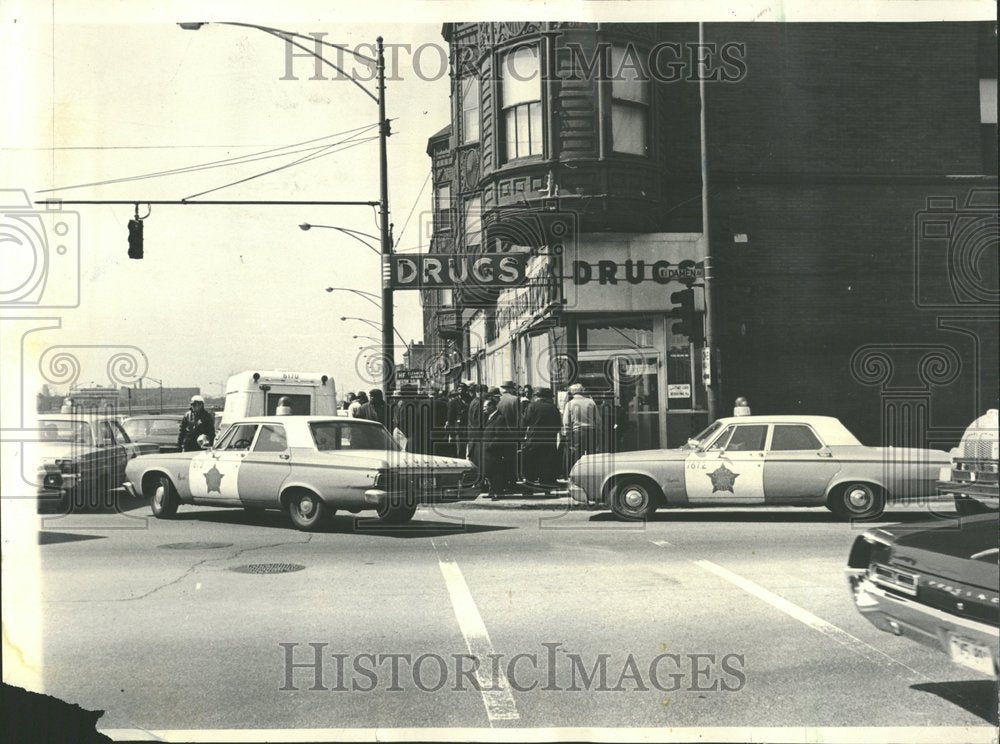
470, 109
473, 223
521, 110
629, 103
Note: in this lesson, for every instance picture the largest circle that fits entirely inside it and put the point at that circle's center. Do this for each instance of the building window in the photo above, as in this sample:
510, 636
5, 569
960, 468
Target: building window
473, 223
470, 109
629, 103
442, 206
521, 111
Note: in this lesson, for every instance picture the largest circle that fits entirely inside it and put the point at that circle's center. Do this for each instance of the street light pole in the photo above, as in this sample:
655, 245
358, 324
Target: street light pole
388, 350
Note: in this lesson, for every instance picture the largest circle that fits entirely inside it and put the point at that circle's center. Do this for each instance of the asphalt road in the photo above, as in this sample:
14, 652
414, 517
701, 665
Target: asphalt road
701, 618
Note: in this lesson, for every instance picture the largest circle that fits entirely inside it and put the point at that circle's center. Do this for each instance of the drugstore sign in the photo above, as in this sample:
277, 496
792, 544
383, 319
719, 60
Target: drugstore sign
430, 270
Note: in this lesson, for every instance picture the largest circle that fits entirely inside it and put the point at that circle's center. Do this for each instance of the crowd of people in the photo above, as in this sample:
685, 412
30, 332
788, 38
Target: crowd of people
517, 437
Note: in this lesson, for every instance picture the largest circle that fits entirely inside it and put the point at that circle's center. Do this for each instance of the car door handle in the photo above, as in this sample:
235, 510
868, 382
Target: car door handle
821, 453
284, 456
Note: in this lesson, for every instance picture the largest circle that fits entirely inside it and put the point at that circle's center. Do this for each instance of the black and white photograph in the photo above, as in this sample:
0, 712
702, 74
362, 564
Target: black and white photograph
437, 371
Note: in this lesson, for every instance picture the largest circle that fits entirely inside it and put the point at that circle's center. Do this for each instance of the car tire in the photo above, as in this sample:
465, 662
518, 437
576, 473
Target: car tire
634, 499
968, 507
306, 510
164, 500
858, 500
396, 513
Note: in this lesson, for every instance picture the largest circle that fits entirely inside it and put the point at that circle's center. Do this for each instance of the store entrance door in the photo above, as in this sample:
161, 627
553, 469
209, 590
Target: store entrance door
625, 385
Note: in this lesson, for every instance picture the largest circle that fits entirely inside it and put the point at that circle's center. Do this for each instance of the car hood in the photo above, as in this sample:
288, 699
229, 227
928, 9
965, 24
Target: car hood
962, 550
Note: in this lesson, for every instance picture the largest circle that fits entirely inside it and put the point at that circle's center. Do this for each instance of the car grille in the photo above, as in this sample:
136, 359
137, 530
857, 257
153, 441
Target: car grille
978, 448
423, 481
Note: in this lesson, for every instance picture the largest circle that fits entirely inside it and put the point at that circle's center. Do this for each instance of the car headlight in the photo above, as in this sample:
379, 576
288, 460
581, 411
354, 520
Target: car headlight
52, 480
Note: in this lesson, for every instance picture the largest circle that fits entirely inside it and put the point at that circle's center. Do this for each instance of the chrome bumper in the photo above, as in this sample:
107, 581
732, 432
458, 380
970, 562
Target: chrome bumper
130, 490
377, 496
927, 625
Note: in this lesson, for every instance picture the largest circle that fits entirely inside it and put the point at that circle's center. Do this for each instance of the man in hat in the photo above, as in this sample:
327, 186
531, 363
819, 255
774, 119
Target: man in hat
195, 423
509, 407
496, 448
474, 424
374, 409
581, 424
541, 427
458, 413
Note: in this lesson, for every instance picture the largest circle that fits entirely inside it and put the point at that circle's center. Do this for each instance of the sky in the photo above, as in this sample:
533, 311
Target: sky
105, 90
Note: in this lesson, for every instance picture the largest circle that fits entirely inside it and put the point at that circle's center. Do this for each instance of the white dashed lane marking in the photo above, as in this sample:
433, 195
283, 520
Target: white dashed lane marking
494, 687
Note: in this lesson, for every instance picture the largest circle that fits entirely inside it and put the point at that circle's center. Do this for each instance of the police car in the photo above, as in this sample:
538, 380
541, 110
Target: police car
759, 460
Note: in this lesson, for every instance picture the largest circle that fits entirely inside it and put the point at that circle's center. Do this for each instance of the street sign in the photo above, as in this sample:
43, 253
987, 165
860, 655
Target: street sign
706, 366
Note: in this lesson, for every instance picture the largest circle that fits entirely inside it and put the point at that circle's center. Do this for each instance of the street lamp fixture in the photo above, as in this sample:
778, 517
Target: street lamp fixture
356, 234
376, 326
385, 229
371, 297
370, 338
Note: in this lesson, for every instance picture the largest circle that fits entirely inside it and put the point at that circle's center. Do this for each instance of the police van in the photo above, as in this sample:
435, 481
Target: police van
253, 393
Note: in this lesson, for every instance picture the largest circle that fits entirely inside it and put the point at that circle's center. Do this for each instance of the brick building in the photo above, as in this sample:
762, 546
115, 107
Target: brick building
849, 219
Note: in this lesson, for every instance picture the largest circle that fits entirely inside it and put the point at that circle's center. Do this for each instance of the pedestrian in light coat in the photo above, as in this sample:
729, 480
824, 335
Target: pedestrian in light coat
581, 424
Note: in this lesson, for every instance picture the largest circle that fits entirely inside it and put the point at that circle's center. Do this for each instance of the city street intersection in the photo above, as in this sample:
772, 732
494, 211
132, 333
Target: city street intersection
701, 618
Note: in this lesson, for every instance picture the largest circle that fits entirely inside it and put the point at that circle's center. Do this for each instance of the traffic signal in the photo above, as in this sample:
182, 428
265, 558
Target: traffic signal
689, 320
135, 238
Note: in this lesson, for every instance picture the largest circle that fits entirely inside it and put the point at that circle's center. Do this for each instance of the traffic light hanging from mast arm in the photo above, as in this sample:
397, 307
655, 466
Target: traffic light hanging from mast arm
135, 233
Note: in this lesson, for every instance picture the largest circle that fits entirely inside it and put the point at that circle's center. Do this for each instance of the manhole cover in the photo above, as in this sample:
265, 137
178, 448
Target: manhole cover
195, 545
267, 568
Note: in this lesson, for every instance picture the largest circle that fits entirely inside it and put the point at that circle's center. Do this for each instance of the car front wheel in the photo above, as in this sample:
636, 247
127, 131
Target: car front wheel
858, 501
634, 499
164, 500
396, 513
306, 510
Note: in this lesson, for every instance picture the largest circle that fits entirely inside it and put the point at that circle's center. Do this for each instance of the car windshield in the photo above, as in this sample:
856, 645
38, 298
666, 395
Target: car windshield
52, 430
700, 440
344, 435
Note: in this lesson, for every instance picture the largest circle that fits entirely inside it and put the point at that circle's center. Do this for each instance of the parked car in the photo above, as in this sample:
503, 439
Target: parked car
161, 430
972, 478
308, 466
760, 460
80, 458
938, 584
